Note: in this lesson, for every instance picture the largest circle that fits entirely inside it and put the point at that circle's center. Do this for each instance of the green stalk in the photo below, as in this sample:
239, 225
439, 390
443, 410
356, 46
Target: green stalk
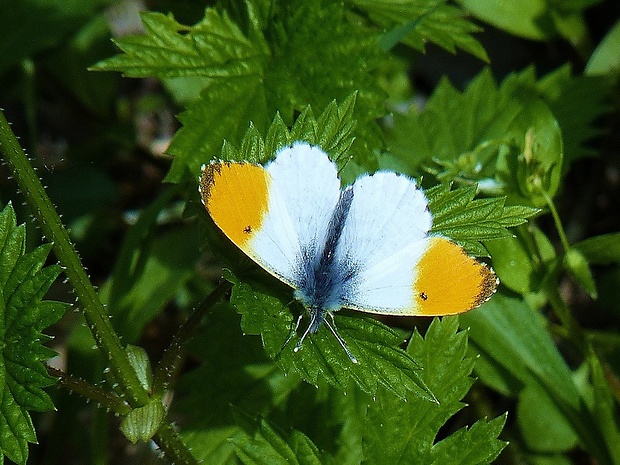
574, 332
94, 312
168, 364
556, 220
171, 445
101, 397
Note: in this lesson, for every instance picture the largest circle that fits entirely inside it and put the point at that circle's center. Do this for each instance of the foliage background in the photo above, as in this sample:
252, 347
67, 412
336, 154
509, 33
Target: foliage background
455, 101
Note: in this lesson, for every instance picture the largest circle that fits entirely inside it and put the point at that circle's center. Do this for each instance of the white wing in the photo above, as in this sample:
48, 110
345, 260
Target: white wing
383, 238
278, 215
398, 268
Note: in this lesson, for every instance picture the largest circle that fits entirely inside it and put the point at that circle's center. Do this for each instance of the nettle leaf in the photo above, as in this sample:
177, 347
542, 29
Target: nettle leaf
417, 22
234, 370
262, 444
321, 359
462, 130
467, 221
405, 432
332, 131
319, 54
23, 315
475, 445
279, 64
214, 48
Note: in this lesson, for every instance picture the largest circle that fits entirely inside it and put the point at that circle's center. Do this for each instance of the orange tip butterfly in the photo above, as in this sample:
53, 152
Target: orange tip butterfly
366, 247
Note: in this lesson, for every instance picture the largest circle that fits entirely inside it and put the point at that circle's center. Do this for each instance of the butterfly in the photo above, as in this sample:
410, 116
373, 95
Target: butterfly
366, 247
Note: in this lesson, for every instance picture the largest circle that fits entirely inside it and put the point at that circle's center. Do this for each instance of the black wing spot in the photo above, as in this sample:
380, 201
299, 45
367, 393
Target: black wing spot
247, 229
423, 296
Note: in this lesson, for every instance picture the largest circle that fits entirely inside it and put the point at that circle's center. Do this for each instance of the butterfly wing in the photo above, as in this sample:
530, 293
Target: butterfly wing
278, 215
399, 268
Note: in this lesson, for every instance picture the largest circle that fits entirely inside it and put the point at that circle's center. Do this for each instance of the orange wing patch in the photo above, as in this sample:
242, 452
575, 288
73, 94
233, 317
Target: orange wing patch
449, 281
237, 198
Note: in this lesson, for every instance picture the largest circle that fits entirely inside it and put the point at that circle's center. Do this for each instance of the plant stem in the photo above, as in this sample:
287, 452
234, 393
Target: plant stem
171, 445
94, 312
170, 360
556, 220
101, 397
561, 310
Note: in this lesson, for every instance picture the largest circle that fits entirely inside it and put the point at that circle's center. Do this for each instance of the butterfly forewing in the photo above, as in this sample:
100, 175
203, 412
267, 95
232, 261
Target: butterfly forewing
265, 210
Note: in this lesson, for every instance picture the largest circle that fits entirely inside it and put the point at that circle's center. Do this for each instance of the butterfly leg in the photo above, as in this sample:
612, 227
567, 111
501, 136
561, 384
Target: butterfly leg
332, 328
292, 332
306, 332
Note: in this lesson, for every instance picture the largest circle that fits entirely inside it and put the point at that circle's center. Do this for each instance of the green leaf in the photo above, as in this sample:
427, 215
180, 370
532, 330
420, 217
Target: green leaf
549, 459
224, 110
317, 46
233, 371
578, 267
577, 102
512, 258
158, 270
262, 444
23, 315
460, 130
321, 358
141, 363
416, 23
538, 167
509, 334
603, 407
214, 48
333, 131
601, 250
467, 221
142, 423
509, 139
521, 18
542, 423
606, 58
535, 19
475, 445
250, 78
404, 432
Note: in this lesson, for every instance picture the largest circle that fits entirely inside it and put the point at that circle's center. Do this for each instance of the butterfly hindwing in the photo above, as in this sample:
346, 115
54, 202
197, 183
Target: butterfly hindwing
400, 269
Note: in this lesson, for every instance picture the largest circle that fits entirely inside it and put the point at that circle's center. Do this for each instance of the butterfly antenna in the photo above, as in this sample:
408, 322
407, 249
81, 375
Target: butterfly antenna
332, 328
